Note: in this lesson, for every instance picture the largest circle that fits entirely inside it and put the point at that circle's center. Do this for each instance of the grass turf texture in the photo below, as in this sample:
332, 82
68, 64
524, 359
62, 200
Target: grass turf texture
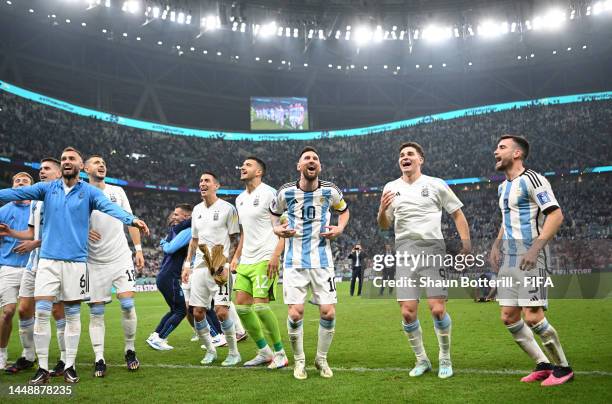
370, 354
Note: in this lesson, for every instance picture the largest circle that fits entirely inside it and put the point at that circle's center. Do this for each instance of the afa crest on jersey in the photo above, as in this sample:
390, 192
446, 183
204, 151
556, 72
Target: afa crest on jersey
424, 192
216, 215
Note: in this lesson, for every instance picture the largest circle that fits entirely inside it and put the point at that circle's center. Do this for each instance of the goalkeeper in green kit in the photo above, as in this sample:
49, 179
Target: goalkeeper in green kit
256, 263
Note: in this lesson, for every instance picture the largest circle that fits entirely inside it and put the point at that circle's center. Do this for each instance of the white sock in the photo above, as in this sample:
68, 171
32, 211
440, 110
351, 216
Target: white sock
128, 322
42, 332
296, 337
3, 356
97, 330
229, 330
443, 332
61, 342
203, 331
327, 329
415, 338
524, 338
26, 336
72, 333
234, 316
550, 340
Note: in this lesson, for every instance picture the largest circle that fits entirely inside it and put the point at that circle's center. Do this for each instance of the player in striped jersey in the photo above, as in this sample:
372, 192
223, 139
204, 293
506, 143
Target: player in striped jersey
49, 171
308, 259
525, 197
110, 265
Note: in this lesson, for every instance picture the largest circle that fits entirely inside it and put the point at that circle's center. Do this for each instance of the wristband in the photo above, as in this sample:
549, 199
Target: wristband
138, 247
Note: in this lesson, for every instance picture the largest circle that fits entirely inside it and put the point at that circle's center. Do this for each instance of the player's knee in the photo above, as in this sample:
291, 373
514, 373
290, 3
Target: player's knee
533, 317
508, 317
198, 313
295, 314
409, 314
438, 311
328, 313
58, 311
8, 312
25, 311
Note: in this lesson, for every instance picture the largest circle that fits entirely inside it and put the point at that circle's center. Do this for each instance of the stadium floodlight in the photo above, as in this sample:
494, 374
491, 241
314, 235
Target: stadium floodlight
365, 67
131, 6
492, 29
435, 33
352, 66
211, 22
363, 35
268, 29
552, 20
305, 64
107, 3
378, 34
385, 67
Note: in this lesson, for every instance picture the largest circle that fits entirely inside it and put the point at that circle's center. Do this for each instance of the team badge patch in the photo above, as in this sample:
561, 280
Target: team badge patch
216, 215
425, 192
113, 198
256, 201
543, 197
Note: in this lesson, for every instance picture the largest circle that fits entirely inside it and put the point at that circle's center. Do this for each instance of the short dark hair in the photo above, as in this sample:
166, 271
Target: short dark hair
187, 207
415, 145
94, 156
51, 160
72, 149
308, 149
212, 175
259, 161
520, 141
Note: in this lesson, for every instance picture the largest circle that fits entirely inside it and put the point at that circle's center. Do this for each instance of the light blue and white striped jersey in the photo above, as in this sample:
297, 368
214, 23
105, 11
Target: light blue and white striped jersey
523, 202
308, 213
35, 221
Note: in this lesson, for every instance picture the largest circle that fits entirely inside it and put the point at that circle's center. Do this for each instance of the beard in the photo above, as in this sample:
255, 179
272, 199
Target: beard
70, 174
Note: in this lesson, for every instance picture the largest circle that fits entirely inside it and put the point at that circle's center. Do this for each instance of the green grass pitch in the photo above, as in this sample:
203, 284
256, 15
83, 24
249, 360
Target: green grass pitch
370, 355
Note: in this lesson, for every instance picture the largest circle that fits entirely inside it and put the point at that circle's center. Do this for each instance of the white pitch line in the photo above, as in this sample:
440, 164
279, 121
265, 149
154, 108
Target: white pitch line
356, 369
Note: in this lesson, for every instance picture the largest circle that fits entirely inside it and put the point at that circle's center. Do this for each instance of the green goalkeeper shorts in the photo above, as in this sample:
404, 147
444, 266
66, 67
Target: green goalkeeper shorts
253, 279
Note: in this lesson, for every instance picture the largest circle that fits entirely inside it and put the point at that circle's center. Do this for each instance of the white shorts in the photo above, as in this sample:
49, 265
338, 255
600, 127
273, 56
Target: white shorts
186, 290
102, 278
65, 280
204, 289
526, 291
321, 281
10, 280
28, 279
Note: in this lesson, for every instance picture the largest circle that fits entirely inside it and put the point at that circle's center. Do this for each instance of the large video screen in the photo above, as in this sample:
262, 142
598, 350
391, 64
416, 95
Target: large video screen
279, 113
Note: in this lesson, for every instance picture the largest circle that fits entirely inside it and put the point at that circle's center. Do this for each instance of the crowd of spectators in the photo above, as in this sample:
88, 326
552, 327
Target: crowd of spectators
563, 137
